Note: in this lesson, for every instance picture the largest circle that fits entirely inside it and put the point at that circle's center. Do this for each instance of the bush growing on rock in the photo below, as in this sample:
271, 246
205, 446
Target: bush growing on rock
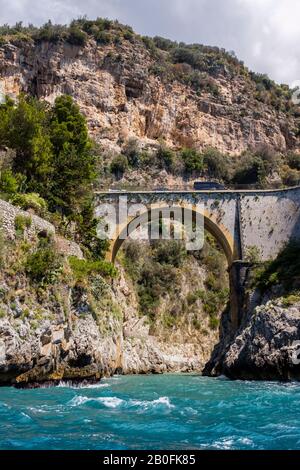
103, 37
76, 36
290, 176
170, 252
119, 165
30, 201
44, 265
155, 281
50, 33
9, 183
293, 161
22, 222
193, 160
163, 43
133, 152
216, 164
82, 269
165, 157
251, 170
284, 270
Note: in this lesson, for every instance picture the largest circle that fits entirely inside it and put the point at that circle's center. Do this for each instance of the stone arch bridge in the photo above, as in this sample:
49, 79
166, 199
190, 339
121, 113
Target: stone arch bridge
243, 222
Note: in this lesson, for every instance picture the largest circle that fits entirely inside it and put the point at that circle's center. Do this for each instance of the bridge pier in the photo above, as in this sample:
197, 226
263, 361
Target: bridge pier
239, 274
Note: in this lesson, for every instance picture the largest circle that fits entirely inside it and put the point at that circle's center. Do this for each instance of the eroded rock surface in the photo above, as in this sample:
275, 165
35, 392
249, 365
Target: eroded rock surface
121, 97
264, 348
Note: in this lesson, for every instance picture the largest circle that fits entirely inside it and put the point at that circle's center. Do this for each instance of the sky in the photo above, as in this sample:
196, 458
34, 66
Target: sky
265, 34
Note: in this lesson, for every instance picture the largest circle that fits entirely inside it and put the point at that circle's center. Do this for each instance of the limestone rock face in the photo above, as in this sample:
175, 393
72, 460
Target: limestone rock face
52, 352
74, 342
266, 347
121, 97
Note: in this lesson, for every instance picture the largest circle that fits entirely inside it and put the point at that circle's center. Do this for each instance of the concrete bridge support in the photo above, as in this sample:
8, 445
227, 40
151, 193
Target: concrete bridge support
239, 275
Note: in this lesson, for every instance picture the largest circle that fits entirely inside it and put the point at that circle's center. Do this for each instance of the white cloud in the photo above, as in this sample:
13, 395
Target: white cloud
263, 33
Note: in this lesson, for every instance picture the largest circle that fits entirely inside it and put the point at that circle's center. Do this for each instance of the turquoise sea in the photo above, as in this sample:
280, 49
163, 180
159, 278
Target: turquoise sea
153, 412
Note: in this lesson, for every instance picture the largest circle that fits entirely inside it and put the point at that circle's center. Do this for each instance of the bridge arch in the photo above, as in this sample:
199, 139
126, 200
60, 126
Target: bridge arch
211, 224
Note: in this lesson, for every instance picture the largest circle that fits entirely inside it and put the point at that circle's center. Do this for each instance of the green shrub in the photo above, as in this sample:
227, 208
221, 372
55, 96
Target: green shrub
193, 160
148, 160
170, 252
30, 201
104, 38
253, 254
128, 35
133, 152
44, 265
165, 157
216, 164
3, 313
290, 176
214, 323
192, 298
290, 300
155, 280
254, 167
22, 222
82, 269
164, 44
133, 250
77, 37
284, 270
149, 44
9, 183
119, 165
250, 171
214, 301
293, 160
186, 55
51, 33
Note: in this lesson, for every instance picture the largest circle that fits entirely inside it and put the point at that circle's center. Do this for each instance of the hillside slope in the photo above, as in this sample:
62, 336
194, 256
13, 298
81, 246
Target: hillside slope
128, 86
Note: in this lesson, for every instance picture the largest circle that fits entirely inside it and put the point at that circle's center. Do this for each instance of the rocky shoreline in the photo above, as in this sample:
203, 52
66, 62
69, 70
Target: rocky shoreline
57, 353
79, 348
82, 333
266, 346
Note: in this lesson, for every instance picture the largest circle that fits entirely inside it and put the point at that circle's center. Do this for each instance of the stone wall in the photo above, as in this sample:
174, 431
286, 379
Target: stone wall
8, 214
269, 220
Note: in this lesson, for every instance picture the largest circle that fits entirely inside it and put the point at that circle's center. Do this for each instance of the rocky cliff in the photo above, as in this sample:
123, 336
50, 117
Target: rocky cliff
51, 339
78, 327
126, 89
266, 346
128, 86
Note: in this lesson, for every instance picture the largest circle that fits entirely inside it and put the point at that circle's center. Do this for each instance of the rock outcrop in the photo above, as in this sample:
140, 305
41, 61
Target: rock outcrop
52, 348
266, 347
122, 97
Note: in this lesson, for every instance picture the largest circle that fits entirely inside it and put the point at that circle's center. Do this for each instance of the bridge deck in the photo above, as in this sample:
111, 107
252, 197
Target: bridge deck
213, 191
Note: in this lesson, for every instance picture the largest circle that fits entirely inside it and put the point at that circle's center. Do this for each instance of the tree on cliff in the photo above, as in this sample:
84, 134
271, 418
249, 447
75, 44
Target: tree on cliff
23, 127
55, 157
73, 158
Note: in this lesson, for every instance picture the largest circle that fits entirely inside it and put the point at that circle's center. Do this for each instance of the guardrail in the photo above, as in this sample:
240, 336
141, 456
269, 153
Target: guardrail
193, 191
